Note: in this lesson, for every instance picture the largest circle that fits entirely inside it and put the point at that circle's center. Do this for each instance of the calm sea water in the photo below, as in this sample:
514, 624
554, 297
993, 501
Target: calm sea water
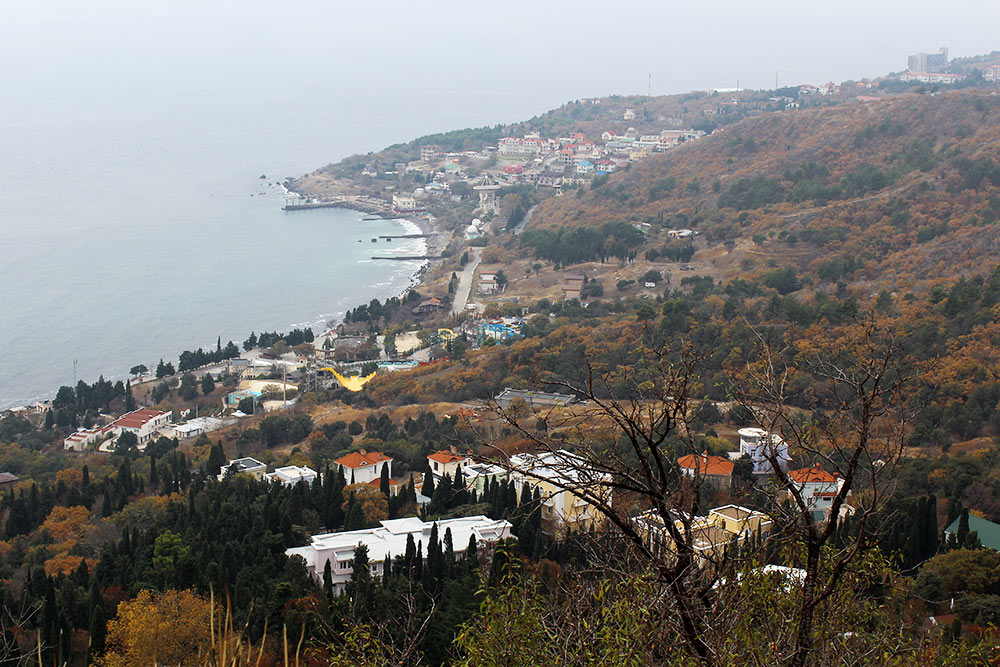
133, 222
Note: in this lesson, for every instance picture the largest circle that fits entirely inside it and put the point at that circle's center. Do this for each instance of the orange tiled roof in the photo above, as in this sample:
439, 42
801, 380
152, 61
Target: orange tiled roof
136, 418
360, 459
446, 457
814, 475
707, 464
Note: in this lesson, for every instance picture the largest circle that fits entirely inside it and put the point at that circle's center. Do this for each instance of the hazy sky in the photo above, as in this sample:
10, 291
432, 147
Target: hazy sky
535, 50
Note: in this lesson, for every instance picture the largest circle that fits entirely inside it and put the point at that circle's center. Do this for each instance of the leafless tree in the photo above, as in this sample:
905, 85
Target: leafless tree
858, 431
635, 419
621, 459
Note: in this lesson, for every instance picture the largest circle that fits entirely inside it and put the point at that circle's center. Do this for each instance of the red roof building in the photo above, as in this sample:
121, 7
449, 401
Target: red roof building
716, 469
363, 467
813, 475
446, 462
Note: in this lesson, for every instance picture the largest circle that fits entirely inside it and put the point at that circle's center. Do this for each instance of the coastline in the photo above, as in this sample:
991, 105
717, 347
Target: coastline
432, 244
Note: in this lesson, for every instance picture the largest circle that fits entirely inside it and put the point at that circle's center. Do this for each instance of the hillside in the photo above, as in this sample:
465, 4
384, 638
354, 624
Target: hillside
894, 194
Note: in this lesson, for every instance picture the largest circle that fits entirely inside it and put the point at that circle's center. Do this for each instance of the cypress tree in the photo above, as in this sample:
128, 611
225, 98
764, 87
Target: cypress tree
428, 487
85, 482
435, 561
963, 528
355, 518
383, 483
98, 630
510, 498
418, 562
932, 527
328, 581
449, 552
411, 552
472, 554
129, 398
411, 491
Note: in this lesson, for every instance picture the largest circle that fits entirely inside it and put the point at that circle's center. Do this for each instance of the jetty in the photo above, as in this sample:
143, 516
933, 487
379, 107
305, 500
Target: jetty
402, 258
370, 205
389, 237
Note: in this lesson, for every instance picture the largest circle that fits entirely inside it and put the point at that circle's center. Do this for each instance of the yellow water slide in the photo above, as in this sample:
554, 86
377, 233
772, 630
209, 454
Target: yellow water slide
447, 334
352, 383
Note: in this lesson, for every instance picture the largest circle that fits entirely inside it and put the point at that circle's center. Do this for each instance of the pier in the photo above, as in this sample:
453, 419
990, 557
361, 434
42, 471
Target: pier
402, 258
370, 205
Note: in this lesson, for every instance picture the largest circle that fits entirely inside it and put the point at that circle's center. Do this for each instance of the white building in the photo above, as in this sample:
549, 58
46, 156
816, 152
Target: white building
758, 444
144, 423
476, 475
197, 426
388, 541
563, 480
363, 467
247, 465
428, 152
817, 488
82, 438
404, 203
292, 475
446, 462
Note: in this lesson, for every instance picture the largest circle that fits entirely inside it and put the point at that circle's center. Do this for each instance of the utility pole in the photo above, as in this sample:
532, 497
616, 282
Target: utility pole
74, 372
775, 80
649, 90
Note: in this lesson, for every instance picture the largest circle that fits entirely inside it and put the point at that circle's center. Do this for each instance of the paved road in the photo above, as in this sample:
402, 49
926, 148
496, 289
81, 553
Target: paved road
465, 281
524, 223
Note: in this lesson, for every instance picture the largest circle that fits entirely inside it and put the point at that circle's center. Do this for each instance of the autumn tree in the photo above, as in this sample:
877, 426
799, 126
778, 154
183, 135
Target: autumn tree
168, 628
373, 503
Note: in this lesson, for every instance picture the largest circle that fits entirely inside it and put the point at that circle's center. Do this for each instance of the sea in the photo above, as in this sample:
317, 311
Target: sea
141, 154
134, 219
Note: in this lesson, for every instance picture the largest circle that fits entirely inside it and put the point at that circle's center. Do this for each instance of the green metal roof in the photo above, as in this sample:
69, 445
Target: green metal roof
989, 532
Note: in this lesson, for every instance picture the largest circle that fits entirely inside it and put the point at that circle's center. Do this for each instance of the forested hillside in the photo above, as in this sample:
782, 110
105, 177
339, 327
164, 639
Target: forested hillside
894, 194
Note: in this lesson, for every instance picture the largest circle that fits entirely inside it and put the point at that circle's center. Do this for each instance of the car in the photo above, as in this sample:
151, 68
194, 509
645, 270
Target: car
687, 267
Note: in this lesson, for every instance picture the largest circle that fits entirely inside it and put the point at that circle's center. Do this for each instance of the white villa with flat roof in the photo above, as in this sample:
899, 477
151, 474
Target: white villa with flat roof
246, 465
388, 541
292, 475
